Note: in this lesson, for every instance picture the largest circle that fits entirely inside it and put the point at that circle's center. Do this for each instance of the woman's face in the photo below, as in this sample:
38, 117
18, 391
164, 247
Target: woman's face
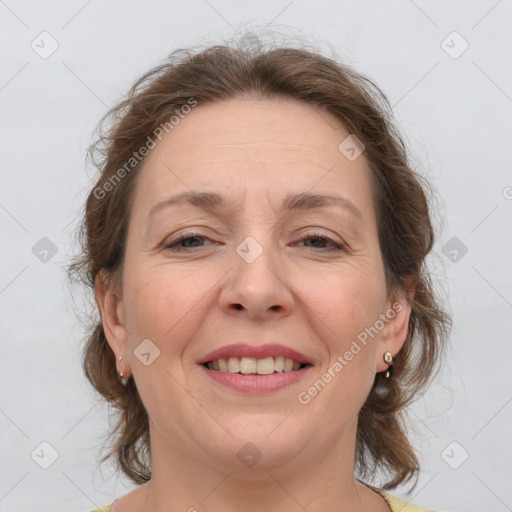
259, 277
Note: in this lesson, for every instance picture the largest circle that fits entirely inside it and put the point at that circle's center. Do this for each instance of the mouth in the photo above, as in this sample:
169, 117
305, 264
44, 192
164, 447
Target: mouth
255, 369
254, 366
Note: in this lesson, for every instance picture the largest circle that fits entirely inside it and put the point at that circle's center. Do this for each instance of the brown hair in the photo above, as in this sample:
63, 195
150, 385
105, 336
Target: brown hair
404, 226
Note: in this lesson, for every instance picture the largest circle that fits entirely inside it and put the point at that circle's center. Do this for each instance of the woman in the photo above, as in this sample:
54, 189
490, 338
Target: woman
256, 244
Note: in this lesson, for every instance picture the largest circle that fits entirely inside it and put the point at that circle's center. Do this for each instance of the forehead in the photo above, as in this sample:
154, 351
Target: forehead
277, 145
282, 125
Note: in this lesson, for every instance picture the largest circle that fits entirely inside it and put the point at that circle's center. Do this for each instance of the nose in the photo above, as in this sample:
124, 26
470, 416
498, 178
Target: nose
257, 287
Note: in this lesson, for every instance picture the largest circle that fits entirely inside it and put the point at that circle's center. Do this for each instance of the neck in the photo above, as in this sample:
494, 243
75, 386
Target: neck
319, 481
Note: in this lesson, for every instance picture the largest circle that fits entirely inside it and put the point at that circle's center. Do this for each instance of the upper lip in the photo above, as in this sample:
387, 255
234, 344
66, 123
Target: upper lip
256, 351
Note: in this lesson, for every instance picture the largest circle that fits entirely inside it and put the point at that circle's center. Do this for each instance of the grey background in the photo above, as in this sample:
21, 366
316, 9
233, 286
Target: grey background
454, 110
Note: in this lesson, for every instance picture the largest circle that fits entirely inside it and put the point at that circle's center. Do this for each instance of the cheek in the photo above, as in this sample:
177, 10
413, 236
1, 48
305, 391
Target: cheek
163, 304
349, 306
349, 302
341, 386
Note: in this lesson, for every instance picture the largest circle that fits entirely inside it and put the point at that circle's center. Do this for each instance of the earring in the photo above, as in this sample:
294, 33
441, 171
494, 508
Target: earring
123, 380
388, 358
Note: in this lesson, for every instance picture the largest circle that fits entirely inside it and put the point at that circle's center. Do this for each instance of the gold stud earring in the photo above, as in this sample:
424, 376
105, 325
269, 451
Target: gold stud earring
388, 358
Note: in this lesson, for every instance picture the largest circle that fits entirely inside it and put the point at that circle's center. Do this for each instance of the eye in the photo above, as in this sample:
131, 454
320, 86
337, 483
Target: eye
320, 239
191, 237
192, 240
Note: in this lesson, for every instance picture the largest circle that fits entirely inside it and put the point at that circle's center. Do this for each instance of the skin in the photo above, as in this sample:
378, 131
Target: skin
297, 293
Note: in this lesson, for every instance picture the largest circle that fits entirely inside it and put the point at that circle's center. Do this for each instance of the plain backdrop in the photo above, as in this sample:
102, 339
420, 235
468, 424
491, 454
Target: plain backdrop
445, 66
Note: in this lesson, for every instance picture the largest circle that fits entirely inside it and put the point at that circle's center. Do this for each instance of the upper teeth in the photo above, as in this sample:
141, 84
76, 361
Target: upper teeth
247, 365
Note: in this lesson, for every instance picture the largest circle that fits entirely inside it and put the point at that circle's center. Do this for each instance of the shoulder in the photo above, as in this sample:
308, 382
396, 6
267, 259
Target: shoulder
398, 504
103, 509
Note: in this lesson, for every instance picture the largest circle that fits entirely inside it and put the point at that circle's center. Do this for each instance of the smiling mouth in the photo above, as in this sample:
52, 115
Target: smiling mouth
254, 366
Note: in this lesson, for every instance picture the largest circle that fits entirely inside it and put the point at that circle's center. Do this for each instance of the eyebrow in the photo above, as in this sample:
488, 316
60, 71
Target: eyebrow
292, 202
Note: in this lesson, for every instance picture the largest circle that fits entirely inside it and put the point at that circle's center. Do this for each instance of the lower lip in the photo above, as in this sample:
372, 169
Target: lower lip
256, 383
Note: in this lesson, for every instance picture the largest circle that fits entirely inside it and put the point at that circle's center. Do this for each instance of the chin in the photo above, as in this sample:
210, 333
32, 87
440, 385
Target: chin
259, 442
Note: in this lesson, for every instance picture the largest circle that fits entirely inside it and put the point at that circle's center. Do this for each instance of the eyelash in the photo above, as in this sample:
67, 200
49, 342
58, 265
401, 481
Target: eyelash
194, 234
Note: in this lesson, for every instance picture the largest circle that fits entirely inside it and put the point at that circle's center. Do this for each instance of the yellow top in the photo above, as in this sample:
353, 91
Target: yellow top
396, 504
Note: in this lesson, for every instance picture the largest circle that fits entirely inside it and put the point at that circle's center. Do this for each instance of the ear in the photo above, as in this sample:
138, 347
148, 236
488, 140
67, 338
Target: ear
394, 333
110, 303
